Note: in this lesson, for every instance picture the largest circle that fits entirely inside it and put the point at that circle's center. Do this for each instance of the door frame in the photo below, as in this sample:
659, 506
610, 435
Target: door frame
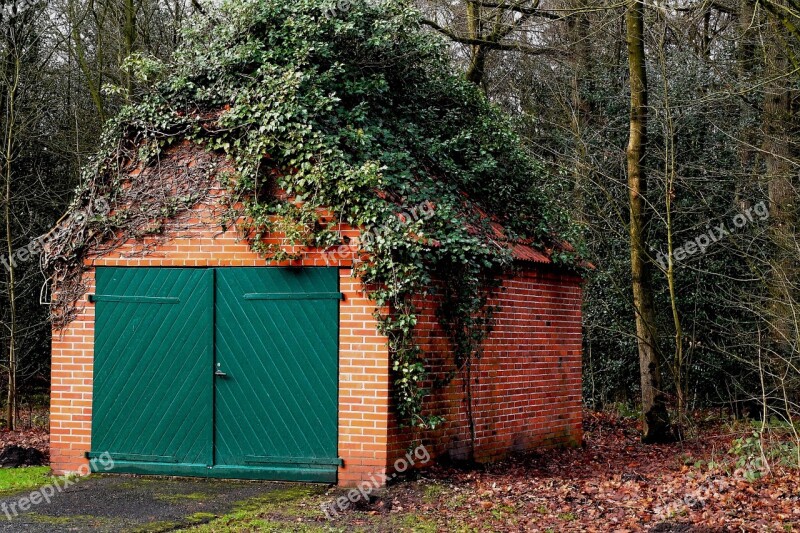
322, 472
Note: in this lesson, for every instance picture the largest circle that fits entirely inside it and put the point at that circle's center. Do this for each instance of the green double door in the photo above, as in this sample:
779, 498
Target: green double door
228, 372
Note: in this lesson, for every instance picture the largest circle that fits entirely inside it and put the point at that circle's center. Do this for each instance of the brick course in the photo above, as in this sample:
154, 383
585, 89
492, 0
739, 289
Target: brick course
526, 385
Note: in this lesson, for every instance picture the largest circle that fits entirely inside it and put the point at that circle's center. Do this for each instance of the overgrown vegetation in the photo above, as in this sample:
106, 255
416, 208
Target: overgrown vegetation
612, 481
723, 85
359, 114
722, 121
19, 479
56, 57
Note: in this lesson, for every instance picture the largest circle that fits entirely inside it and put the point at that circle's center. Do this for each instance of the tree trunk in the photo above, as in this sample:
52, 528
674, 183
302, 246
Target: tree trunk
477, 58
656, 427
477, 66
679, 360
129, 30
12, 81
78, 50
778, 120
745, 66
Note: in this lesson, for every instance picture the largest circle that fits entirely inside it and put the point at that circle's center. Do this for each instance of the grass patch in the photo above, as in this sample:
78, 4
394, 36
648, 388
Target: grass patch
23, 478
625, 410
457, 501
52, 520
189, 521
295, 508
433, 492
238, 522
192, 496
200, 517
503, 511
418, 524
69, 523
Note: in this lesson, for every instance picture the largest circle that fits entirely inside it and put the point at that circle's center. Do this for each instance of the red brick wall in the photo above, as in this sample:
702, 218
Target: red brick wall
195, 240
526, 386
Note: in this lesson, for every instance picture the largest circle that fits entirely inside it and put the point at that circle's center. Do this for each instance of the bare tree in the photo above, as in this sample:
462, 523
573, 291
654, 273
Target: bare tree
22, 51
484, 26
656, 427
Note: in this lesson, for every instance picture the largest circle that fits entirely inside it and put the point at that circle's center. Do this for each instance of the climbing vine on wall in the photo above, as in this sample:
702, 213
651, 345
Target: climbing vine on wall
358, 112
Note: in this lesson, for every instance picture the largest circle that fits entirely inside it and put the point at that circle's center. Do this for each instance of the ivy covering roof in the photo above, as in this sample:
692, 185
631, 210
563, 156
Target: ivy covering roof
356, 110
341, 104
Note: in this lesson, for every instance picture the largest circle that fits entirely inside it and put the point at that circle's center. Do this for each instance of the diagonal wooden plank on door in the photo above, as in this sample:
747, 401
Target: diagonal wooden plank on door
282, 359
153, 365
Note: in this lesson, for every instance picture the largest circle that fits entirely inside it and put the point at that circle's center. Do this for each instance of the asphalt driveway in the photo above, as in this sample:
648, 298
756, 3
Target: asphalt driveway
134, 504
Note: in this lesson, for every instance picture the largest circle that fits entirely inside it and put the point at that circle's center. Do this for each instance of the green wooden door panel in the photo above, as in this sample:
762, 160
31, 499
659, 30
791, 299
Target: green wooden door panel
153, 361
277, 343
160, 333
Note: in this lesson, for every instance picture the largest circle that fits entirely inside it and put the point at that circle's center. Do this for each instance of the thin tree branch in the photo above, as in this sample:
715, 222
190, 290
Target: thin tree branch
491, 44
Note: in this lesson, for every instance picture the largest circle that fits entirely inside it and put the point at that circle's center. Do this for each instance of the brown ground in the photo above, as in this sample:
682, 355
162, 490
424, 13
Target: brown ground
612, 483
714, 481
37, 438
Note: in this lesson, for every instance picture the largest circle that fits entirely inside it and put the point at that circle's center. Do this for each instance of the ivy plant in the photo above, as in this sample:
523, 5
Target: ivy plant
361, 113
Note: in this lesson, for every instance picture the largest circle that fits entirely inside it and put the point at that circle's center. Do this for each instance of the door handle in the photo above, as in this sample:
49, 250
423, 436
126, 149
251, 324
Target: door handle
220, 374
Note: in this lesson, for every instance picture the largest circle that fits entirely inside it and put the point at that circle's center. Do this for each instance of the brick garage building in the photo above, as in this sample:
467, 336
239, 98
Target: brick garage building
160, 369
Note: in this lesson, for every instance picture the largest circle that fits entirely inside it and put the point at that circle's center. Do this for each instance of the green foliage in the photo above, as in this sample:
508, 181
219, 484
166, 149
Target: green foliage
772, 444
25, 478
359, 113
750, 457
